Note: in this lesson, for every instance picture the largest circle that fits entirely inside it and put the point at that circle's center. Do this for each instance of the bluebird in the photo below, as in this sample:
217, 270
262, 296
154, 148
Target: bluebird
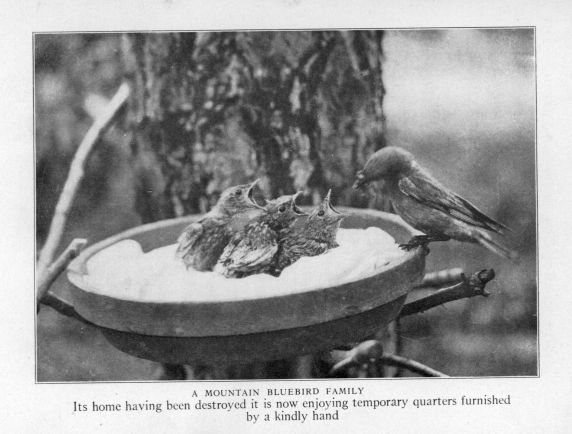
252, 250
316, 236
202, 242
427, 205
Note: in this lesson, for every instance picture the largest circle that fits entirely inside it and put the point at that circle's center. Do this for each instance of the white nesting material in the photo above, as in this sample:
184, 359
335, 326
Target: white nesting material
124, 271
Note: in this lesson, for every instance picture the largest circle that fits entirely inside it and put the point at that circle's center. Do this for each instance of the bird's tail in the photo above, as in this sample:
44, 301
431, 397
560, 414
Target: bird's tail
485, 240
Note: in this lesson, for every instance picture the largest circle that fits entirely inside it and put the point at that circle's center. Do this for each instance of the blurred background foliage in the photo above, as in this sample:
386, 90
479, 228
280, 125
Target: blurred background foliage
303, 111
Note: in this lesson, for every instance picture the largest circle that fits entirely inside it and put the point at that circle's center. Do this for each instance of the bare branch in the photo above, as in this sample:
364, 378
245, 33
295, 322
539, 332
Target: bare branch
364, 352
469, 287
55, 269
409, 364
439, 279
74, 179
62, 306
371, 353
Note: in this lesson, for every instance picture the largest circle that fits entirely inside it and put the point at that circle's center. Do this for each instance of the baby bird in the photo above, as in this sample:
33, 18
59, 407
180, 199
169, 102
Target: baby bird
252, 250
316, 236
202, 242
427, 205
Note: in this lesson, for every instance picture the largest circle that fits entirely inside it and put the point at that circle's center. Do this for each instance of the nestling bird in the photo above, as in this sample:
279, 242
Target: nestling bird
202, 242
316, 236
252, 250
427, 205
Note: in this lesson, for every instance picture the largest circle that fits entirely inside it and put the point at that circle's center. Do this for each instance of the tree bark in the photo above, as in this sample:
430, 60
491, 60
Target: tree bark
189, 91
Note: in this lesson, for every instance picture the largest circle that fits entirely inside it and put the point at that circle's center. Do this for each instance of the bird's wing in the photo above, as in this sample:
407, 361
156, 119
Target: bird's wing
244, 256
429, 192
189, 237
228, 251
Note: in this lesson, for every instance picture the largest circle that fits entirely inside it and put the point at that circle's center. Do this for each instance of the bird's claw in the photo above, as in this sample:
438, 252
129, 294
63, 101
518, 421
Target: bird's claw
414, 243
408, 246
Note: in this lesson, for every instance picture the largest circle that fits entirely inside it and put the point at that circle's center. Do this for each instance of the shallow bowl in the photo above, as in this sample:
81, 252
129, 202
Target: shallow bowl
264, 328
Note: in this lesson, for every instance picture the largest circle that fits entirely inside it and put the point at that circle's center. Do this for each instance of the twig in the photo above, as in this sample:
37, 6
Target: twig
364, 352
409, 364
55, 269
74, 178
439, 279
371, 352
62, 306
471, 287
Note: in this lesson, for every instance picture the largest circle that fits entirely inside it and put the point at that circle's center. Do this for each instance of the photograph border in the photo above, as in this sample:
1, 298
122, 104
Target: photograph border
537, 240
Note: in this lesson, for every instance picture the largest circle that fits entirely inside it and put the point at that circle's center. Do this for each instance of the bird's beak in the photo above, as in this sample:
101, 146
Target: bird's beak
297, 210
327, 201
360, 181
250, 194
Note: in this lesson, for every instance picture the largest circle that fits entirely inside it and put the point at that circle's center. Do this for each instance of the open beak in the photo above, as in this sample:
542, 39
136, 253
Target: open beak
297, 210
250, 194
329, 203
337, 215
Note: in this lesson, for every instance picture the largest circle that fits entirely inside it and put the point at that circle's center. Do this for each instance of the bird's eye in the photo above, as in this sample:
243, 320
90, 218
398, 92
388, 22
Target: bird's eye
282, 208
321, 213
238, 193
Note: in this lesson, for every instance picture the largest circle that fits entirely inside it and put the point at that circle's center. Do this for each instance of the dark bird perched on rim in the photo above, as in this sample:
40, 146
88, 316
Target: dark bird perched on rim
202, 242
427, 205
252, 250
316, 236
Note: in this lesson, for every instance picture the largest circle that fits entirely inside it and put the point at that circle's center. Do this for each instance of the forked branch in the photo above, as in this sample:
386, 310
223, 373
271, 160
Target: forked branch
467, 288
74, 178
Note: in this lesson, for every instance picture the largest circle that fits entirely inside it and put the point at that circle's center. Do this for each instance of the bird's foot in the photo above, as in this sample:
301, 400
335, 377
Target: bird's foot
408, 246
416, 241
423, 242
